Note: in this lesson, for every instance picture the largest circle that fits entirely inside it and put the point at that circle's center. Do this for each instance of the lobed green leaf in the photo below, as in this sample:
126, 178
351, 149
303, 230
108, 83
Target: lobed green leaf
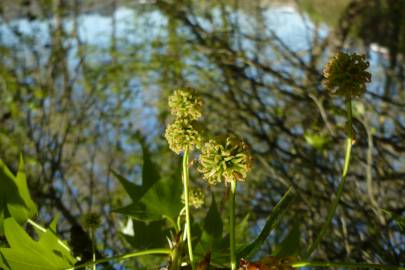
15, 200
26, 254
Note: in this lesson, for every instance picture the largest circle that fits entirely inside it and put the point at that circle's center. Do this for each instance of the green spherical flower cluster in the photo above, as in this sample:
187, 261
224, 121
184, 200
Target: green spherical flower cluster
91, 220
185, 103
346, 75
182, 134
196, 197
228, 161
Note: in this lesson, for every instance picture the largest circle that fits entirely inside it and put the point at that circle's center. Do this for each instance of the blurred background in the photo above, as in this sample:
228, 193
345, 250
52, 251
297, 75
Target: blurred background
81, 79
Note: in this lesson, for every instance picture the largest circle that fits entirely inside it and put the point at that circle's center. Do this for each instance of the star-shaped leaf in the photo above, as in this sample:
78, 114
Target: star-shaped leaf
15, 200
49, 252
157, 198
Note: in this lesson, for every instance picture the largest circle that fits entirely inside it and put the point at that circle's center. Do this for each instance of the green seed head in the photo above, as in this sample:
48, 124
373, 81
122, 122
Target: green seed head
196, 197
91, 220
345, 75
185, 103
183, 133
227, 161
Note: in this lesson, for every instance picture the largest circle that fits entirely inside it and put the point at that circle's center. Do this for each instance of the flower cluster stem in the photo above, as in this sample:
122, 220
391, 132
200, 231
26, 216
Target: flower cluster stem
93, 247
232, 225
187, 206
332, 210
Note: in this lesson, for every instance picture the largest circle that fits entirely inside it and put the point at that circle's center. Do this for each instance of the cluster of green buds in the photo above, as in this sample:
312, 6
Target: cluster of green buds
186, 103
91, 220
228, 160
184, 133
196, 197
345, 75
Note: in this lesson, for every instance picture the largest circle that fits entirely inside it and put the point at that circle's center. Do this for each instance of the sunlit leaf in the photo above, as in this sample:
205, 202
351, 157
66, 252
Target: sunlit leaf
2, 262
15, 199
27, 254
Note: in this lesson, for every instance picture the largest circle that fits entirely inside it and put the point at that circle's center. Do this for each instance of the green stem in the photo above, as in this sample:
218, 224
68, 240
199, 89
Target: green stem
93, 247
346, 265
332, 210
232, 225
186, 194
179, 218
163, 251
